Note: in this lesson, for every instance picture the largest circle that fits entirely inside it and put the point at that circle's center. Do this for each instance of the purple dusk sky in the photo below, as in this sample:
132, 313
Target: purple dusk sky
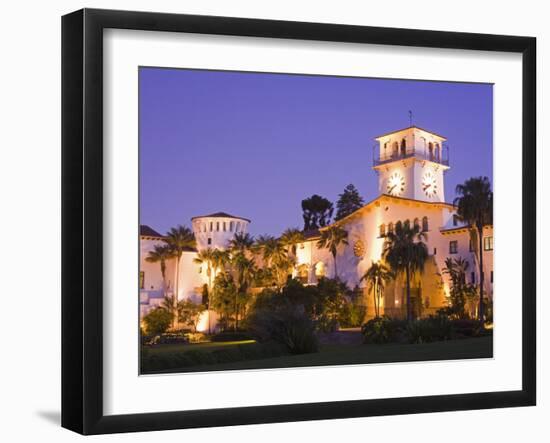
255, 145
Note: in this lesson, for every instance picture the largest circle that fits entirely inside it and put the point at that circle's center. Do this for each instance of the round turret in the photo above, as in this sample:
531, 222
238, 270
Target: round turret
216, 230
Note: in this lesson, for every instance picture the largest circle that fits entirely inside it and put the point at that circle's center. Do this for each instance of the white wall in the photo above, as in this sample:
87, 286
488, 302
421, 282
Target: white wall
30, 183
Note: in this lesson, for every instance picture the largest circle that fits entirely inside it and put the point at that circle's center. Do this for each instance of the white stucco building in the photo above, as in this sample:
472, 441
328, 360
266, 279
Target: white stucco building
410, 164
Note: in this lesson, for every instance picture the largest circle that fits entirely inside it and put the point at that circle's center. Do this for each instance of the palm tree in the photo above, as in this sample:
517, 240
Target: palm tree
290, 238
206, 257
376, 277
331, 239
456, 270
406, 252
160, 254
474, 204
242, 242
244, 270
275, 256
221, 259
178, 239
271, 249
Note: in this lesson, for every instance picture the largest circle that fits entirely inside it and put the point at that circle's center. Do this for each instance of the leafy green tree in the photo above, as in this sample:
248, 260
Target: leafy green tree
406, 252
348, 202
223, 297
332, 238
189, 313
160, 254
377, 276
157, 321
178, 240
316, 211
474, 204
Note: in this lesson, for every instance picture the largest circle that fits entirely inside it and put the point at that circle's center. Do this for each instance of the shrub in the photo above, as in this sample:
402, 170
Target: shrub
433, 328
351, 315
466, 328
288, 325
157, 321
195, 337
383, 330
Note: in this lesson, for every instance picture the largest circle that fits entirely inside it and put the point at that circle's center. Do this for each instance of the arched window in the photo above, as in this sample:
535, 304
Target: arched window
424, 224
430, 151
385, 150
398, 226
382, 231
395, 150
407, 224
437, 152
416, 224
390, 228
403, 148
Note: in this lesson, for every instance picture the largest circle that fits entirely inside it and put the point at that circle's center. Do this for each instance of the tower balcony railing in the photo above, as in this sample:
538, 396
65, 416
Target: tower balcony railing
421, 154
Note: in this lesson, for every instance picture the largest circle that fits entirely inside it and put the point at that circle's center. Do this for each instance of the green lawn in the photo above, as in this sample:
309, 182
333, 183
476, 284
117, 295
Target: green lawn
186, 347
339, 354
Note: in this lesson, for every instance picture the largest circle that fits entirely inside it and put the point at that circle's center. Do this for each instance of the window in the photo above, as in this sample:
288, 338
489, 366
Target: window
390, 228
437, 152
424, 224
141, 279
488, 244
211, 226
217, 226
403, 148
382, 231
237, 229
453, 247
416, 224
209, 240
455, 220
395, 150
224, 227
435, 251
399, 226
431, 150
230, 226
473, 277
491, 276
407, 224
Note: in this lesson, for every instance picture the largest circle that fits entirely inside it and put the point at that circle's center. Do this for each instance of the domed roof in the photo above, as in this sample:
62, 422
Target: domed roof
220, 215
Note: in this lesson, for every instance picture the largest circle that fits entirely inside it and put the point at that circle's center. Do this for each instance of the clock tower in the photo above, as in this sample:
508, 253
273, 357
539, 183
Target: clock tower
410, 164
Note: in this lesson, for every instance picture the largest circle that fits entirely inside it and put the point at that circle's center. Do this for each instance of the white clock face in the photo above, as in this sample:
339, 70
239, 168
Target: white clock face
429, 184
396, 184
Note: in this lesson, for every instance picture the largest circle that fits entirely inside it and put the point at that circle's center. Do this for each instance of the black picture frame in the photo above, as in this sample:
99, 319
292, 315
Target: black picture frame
82, 216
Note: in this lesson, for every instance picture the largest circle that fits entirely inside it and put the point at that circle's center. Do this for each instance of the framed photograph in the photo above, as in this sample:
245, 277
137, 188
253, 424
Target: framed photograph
268, 221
